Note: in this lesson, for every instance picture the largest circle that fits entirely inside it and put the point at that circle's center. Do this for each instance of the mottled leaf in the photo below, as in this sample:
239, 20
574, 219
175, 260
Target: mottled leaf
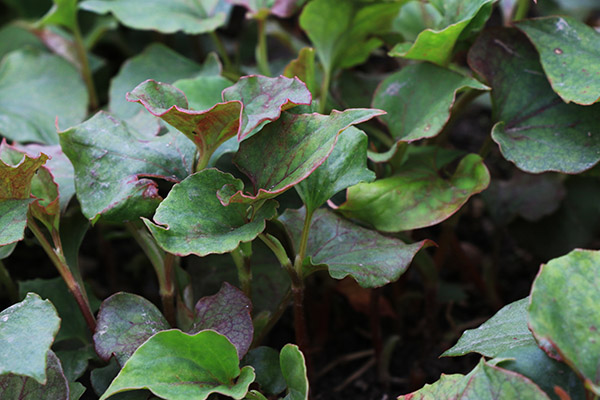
111, 164
303, 68
344, 248
536, 129
228, 313
293, 369
265, 361
191, 220
570, 55
63, 13
124, 322
563, 313
27, 330
417, 196
194, 17
36, 88
177, 366
456, 18
56, 387
418, 99
296, 145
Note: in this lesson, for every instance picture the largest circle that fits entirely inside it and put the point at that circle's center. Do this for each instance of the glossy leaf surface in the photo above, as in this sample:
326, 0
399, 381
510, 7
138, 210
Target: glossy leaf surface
228, 313
417, 196
536, 130
293, 369
177, 366
564, 294
191, 220
418, 99
27, 330
570, 55
345, 248
124, 322
35, 89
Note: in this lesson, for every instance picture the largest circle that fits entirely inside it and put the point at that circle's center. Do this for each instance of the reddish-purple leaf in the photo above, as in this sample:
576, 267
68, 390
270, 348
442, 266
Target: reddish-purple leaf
280, 8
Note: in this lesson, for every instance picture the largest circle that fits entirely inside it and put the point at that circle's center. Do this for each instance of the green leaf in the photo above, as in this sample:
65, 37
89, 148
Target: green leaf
55, 387
344, 248
15, 193
203, 92
75, 361
536, 129
171, 16
342, 31
109, 160
261, 8
418, 99
265, 361
564, 295
346, 166
303, 68
228, 313
27, 330
293, 369
76, 390
177, 366
417, 196
103, 376
63, 13
485, 382
124, 322
570, 55
195, 222
436, 43
296, 145
36, 88
14, 37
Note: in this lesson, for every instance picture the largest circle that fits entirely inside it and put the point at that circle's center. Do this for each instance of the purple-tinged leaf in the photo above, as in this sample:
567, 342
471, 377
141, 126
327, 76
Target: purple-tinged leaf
280, 8
191, 220
228, 313
111, 165
295, 145
536, 130
345, 248
125, 321
264, 99
20, 387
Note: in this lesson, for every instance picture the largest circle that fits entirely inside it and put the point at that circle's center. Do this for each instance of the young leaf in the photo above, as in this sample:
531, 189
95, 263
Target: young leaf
36, 88
27, 330
345, 167
570, 54
195, 17
203, 92
125, 321
265, 361
293, 369
176, 366
564, 294
228, 313
418, 99
55, 387
344, 248
536, 129
417, 196
436, 43
296, 145
109, 161
195, 222
63, 13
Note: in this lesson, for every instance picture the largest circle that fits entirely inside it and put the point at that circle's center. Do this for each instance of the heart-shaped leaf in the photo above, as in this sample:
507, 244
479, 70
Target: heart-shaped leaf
36, 88
344, 248
417, 196
228, 313
195, 17
536, 129
564, 294
177, 366
452, 19
55, 387
110, 161
27, 330
195, 222
571, 59
296, 145
293, 369
418, 99
125, 321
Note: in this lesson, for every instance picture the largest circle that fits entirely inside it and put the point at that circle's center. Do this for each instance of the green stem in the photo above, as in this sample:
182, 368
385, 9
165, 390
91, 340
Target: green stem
522, 9
7, 282
304, 240
221, 50
242, 263
283, 304
324, 90
262, 59
203, 159
57, 257
380, 135
86, 72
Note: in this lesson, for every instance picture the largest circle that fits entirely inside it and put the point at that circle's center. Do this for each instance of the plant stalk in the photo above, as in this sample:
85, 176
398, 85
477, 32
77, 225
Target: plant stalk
283, 304
324, 90
7, 282
221, 50
86, 72
242, 263
262, 58
522, 9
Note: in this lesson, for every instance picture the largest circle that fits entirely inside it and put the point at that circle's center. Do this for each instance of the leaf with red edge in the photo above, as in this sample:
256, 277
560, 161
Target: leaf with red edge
228, 313
280, 8
296, 145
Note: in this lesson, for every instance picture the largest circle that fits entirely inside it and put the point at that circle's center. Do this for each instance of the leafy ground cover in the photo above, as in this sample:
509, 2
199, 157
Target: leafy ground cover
299, 199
